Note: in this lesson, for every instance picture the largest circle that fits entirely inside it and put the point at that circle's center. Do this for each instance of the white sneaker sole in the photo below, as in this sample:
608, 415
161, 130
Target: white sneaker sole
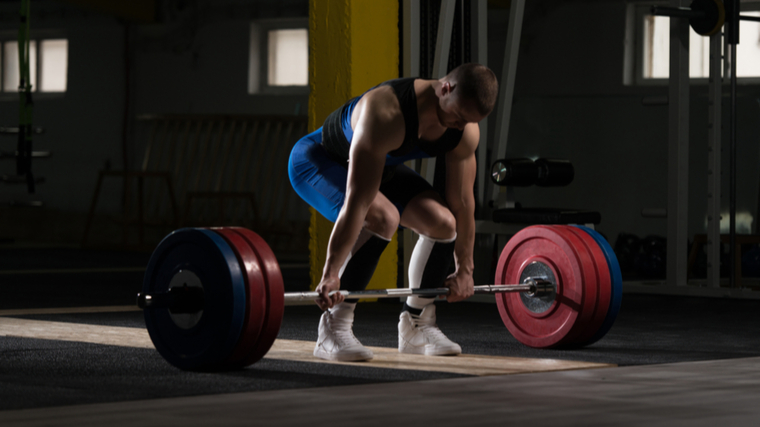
344, 357
429, 350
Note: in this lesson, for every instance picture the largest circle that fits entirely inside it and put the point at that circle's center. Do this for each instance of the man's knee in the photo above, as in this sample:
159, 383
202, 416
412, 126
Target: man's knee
383, 220
440, 224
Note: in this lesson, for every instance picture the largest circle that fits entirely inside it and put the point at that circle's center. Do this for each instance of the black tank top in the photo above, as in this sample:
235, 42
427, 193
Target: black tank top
337, 132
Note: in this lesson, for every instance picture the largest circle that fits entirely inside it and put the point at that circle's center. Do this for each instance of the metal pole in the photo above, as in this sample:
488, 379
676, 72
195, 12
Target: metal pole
440, 63
714, 126
507, 83
443, 39
732, 169
411, 49
678, 150
480, 55
733, 40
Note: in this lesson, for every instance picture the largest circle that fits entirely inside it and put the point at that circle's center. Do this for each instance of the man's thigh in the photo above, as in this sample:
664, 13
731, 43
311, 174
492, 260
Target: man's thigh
421, 208
403, 187
318, 180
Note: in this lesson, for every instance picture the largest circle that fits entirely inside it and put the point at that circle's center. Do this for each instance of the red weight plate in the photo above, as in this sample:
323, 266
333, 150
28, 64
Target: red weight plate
549, 326
275, 293
256, 297
603, 291
590, 286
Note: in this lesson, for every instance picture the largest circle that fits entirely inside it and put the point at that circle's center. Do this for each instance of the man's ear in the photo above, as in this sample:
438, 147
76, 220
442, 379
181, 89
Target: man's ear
446, 88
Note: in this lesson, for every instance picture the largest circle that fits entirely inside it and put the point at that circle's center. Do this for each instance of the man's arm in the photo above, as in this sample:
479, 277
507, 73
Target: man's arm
461, 168
378, 130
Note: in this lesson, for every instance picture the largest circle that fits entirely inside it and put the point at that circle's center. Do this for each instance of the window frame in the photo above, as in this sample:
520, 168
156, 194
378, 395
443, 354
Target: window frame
258, 82
633, 74
37, 36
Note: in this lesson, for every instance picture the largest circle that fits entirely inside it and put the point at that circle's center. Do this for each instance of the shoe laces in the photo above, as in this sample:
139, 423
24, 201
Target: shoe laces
429, 328
343, 332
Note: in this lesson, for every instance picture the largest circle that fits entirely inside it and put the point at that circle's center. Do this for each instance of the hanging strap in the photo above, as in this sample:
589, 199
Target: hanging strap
24, 150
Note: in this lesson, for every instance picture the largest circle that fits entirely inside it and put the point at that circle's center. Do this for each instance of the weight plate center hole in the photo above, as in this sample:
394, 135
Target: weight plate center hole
186, 278
538, 304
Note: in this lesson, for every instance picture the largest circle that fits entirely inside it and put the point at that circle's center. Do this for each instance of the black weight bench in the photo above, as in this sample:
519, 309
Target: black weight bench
525, 172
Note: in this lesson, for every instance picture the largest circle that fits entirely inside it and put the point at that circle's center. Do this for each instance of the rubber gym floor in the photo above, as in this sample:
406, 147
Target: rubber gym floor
74, 351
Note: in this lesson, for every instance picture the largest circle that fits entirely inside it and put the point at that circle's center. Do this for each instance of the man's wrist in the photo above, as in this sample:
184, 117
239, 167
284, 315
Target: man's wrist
468, 270
329, 273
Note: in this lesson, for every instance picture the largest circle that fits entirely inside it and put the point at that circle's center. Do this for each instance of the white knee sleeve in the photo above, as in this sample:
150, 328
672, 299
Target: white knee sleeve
417, 264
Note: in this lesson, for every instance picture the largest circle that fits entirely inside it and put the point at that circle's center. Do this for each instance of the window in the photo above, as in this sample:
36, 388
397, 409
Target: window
288, 57
649, 61
49, 76
54, 55
279, 57
656, 50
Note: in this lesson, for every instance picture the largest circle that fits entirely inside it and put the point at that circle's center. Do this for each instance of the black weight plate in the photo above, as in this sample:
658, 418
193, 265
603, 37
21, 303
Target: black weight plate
204, 340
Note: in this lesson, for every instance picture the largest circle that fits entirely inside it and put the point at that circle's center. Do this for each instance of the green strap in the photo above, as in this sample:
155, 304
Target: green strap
24, 156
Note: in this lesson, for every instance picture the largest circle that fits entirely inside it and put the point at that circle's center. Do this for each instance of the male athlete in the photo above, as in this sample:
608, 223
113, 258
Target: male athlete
351, 170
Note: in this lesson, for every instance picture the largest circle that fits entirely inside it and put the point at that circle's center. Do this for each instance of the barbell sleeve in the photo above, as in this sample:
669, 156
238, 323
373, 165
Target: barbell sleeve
180, 299
677, 12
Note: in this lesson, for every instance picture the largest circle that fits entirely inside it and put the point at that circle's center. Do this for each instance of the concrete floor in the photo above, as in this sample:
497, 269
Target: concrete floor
682, 361
707, 393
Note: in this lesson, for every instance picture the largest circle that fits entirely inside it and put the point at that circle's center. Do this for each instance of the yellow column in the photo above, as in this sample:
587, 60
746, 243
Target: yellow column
353, 45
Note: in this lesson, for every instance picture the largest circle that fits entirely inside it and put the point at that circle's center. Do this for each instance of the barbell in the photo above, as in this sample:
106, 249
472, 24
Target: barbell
706, 17
524, 172
213, 299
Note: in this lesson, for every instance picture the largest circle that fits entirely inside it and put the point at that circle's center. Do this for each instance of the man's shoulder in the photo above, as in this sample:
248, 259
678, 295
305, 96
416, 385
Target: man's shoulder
381, 105
380, 119
468, 142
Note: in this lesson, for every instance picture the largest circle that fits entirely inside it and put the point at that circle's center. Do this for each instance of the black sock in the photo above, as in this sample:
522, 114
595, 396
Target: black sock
415, 311
362, 265
438, 265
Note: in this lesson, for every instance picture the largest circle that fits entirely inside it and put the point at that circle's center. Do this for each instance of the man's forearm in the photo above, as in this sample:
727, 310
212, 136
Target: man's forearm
463, 249
345, 231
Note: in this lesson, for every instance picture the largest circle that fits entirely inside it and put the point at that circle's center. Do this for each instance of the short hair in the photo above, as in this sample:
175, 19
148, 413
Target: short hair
476, 82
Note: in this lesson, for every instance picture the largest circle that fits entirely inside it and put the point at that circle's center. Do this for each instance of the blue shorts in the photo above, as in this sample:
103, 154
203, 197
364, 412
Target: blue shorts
321, 182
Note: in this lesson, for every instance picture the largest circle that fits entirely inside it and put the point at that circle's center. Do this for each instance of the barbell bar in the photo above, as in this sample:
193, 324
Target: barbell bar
532, 287
214, 298
184, 299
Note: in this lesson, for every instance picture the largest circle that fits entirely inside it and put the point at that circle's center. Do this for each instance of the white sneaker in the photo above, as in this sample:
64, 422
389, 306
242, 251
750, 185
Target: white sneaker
336, 339
420, 335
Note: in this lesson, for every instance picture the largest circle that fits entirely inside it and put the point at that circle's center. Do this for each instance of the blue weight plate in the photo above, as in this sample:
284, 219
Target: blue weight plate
616, 277
205, 340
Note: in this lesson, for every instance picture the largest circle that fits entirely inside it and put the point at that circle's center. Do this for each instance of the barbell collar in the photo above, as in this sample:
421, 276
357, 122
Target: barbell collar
179, 299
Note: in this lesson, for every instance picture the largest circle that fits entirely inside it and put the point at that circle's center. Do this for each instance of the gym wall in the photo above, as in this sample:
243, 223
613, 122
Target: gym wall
570, 102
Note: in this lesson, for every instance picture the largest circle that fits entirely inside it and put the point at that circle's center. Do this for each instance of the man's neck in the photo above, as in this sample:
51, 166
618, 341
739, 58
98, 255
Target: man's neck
427, 106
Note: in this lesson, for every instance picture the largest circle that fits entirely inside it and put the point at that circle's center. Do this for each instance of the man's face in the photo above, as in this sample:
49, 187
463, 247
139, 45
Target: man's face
455, 111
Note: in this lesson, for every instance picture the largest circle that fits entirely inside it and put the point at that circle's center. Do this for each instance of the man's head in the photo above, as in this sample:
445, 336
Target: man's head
467, 95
